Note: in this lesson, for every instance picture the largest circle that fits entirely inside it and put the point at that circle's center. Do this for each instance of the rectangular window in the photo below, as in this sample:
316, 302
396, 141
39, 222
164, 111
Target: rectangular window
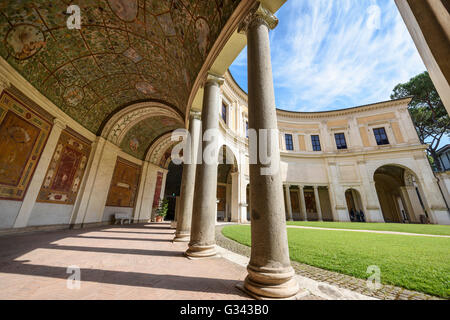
316, 143
224, 112
340, 141
246, 129
289, 142
380, 136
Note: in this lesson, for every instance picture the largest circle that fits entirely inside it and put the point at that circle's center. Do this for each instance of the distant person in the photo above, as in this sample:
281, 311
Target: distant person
361, 214
352, 215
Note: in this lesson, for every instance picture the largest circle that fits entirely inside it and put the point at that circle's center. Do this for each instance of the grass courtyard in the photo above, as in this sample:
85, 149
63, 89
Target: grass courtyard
413, 262
395, 227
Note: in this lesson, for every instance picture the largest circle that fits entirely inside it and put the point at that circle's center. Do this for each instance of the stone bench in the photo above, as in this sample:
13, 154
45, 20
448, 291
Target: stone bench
122, 217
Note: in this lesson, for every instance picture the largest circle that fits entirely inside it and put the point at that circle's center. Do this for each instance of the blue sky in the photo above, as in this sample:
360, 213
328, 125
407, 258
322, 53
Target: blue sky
334, 54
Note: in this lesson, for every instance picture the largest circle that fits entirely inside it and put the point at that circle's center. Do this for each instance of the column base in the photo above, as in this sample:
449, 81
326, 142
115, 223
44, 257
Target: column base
301, 294
200, 252
182, 237
271, 284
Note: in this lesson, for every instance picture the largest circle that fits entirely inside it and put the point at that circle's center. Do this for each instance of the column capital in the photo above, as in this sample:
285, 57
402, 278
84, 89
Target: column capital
258, 15
214, 79
59, 123
195, 115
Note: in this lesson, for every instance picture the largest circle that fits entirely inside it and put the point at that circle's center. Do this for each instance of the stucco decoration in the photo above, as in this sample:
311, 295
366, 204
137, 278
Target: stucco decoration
124, 184
136, 127
160, 151
65, 173
125, 52
23, 134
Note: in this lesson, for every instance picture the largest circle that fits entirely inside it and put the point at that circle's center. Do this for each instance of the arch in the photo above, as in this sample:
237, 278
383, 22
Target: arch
159, 152
121, 123
227, 185
354, 205
400, 194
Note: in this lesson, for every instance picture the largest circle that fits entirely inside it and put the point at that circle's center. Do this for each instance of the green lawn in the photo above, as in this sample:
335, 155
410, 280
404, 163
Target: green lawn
413, 262
397, 227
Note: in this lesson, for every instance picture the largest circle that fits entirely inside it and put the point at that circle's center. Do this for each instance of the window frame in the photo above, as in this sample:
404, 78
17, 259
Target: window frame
224, 113
383, 141
291, 144
316, 143
339, 145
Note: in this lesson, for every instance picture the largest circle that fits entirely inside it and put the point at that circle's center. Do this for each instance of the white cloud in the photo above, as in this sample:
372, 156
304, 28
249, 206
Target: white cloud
324, 55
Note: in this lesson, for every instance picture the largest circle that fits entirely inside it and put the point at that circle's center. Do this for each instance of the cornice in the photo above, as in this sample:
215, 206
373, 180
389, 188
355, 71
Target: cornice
344, 112
360, 152
231, 84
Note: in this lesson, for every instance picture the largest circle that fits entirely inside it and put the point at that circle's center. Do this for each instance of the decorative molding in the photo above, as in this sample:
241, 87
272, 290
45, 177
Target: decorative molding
59, 123
118, 126
195, 115
344, 112
212, 78
159, 148
4, 83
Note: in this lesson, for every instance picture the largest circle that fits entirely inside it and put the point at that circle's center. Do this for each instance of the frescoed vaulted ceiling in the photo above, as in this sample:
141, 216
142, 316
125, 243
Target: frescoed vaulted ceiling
137, 141
125, 52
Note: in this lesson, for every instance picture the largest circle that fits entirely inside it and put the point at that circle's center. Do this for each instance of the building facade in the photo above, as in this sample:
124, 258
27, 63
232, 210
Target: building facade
358, 164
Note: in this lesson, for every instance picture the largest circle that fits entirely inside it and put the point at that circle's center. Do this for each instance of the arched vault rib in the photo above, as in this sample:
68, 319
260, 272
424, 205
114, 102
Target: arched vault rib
158, 149
121, 123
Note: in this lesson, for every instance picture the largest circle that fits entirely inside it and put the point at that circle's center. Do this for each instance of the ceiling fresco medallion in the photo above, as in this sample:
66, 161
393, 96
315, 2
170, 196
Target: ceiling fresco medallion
134, 144
74, 95
145, 87
126, 10
24, 41
131, 54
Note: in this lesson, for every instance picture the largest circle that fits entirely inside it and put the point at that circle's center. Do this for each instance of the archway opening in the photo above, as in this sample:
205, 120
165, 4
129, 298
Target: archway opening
400, 195
172, 190
227, 186
354, 205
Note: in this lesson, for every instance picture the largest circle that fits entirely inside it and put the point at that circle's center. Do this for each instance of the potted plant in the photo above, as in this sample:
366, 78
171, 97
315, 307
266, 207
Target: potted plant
161, 212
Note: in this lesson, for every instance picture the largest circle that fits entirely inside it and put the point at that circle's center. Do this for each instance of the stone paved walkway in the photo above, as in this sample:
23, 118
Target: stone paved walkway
387, 292
121, 262
372, 231
130, 262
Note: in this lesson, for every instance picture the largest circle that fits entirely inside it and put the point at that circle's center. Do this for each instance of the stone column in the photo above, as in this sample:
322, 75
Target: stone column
429, 26
319, 208
184, 219
270, 274
203, 242
39, 175
301, 199
287, 192
235, 217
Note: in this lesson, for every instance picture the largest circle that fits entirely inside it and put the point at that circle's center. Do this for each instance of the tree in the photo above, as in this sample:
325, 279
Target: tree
427, 111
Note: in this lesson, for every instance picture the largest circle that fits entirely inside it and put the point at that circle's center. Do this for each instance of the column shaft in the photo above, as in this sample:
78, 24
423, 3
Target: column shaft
270, 274
302, 203
319, 208
202, 242
184, 219
288, 203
